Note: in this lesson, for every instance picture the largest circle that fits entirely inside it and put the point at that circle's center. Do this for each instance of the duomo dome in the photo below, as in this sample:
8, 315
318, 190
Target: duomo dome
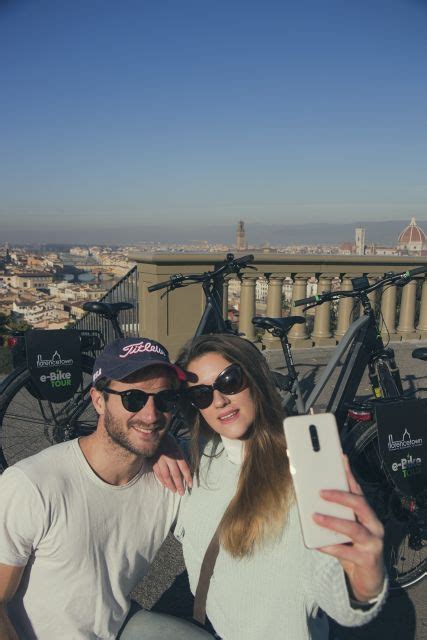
412, 239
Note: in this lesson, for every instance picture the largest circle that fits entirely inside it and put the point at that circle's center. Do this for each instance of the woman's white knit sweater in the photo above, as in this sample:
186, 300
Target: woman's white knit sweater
277, 593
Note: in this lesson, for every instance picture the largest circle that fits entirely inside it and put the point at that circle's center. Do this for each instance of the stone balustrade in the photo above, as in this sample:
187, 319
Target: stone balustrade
172, 317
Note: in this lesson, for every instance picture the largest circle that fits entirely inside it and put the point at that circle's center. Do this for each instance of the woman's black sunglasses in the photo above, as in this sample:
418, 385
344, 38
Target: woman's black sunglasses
134, 400
229, 382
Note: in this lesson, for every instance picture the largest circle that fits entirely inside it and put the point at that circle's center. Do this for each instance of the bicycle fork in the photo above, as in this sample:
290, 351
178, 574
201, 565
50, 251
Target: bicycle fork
388, 357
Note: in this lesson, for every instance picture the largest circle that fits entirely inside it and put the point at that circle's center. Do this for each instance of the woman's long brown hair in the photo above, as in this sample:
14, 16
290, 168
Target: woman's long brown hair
259, 507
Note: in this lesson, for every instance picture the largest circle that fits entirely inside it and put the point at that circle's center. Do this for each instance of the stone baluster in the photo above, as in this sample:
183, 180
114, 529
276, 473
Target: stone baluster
298, 334
274, 309
322, 335
247, 307
388, 311
406, 327
422, 323
345, 309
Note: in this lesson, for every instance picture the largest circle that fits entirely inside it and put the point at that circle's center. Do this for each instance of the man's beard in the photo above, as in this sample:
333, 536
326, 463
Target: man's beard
121, 434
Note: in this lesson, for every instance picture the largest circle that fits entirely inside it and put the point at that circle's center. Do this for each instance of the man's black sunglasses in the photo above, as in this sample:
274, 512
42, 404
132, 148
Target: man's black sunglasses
134, 400
229, 382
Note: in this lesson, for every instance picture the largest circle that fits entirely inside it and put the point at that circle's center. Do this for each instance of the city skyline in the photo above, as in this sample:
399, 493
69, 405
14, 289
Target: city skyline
190, 116
384, 233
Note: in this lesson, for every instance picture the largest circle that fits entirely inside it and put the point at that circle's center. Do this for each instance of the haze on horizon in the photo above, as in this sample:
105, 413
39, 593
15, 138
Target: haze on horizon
133, 115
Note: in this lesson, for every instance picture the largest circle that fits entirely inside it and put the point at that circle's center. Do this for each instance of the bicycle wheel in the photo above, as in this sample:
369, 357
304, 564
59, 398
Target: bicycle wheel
29, 424
405, 540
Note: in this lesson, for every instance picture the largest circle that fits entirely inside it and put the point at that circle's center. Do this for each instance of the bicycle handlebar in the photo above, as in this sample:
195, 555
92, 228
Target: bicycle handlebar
159, 285
231, 265
407, 275
399, 279
244, 260
303, 301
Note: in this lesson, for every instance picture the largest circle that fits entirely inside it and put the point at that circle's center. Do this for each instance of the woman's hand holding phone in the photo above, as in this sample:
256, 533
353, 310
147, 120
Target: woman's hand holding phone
362, 559
337, 521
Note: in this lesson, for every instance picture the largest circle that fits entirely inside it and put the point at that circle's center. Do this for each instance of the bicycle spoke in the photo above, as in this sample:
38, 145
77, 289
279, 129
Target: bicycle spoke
29, 424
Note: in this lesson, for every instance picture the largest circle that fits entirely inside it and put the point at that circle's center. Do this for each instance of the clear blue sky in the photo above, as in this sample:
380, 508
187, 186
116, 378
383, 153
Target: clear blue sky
134, 113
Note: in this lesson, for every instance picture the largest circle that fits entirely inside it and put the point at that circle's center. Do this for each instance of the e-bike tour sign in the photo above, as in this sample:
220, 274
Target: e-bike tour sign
403, 443
54, 360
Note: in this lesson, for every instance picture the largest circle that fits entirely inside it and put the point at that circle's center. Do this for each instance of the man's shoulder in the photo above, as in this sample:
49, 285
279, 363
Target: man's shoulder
36, 481
53, 462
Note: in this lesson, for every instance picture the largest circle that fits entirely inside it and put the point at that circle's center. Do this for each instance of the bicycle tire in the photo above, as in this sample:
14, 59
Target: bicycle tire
386, 380
405, 564
29, 424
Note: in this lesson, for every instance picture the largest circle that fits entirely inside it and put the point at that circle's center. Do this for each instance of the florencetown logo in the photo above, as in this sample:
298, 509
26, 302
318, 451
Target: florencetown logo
55, 361
405, 443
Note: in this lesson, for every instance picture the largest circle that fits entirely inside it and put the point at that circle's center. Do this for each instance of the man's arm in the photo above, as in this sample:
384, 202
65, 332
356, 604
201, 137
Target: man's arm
170, 466
10, 577
22, 526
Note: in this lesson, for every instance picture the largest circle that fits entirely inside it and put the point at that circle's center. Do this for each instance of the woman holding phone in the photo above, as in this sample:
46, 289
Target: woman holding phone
265, 583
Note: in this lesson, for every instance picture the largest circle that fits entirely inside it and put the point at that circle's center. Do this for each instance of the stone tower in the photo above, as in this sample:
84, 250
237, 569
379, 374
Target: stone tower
360, 241
241, 244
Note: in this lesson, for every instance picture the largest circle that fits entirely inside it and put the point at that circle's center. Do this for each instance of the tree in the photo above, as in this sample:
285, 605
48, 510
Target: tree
17, 324
7, 325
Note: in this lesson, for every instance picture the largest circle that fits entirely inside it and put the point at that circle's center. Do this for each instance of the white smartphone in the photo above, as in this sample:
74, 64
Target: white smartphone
316, 463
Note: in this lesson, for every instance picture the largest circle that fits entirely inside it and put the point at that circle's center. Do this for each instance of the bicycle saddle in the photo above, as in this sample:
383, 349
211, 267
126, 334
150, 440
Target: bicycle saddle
421, 353
107, 309
282, 324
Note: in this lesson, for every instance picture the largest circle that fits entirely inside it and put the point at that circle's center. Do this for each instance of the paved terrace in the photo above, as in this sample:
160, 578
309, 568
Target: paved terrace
405, 615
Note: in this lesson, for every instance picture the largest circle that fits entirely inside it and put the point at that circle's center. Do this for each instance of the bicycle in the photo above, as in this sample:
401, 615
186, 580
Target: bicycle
212, 320
28, 421
403, 516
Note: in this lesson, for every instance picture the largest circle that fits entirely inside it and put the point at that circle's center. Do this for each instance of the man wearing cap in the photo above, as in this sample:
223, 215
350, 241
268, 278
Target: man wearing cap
81, 521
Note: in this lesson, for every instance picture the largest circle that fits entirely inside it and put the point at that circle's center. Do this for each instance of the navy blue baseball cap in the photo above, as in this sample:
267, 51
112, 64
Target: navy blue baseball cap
125, 356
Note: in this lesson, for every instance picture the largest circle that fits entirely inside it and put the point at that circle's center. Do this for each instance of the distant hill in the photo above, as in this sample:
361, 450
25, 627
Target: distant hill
379, 232
383, 232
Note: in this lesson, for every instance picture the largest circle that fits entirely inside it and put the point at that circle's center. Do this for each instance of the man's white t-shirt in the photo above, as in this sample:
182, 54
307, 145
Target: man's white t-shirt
86, 543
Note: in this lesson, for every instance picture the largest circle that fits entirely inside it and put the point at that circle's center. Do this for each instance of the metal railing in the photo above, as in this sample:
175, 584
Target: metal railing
125, 290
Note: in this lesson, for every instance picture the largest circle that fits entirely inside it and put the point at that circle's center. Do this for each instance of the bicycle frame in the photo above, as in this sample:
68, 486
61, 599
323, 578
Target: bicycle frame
365, 343
294, 394
212, 320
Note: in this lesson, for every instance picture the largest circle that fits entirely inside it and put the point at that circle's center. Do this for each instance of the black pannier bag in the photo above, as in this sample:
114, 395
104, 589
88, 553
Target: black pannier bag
402, 439
54, 360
